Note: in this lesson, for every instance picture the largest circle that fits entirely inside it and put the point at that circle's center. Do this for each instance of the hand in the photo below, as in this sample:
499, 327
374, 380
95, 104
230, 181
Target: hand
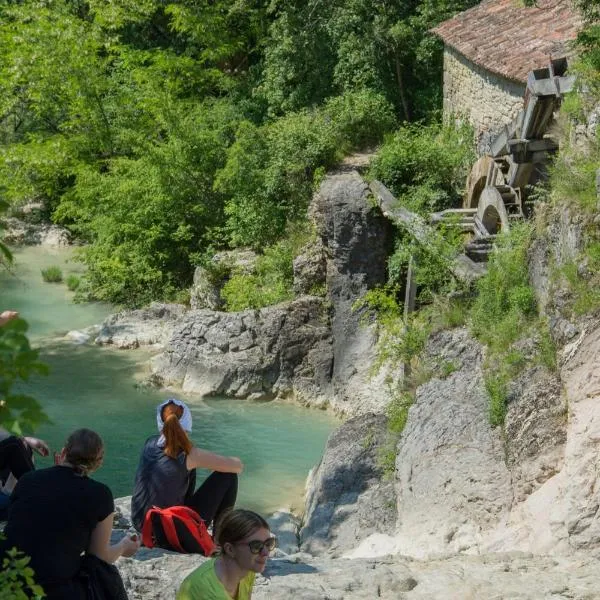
7, 316
130, 544
38, 445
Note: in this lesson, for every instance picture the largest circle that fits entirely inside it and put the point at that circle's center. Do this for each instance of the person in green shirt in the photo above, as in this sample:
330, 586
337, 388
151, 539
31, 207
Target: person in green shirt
245, 542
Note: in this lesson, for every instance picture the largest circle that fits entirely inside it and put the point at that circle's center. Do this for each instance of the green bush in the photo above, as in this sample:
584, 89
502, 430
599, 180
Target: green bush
505, 304
397, 411
73, 282
52, 274
425, 166
270, 283
17, 578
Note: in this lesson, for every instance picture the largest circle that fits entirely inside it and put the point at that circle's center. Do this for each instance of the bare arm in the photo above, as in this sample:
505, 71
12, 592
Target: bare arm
202, 459
7, 315
100, 542
38, 445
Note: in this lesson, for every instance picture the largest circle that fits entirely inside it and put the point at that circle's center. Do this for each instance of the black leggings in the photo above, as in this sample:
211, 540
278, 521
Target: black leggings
216, 494
15, 457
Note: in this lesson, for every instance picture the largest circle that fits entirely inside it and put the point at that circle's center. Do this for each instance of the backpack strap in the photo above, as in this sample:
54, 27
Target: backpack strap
169, 529
147, 538
199, 532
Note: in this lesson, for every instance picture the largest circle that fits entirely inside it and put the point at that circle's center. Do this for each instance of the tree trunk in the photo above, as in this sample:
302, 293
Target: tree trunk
403, 98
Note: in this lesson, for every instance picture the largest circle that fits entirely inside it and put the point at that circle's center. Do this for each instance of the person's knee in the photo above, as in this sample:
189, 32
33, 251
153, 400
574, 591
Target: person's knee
230, 477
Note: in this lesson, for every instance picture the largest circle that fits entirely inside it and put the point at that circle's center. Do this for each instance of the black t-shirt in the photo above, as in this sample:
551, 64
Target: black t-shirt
159, 481
51, 516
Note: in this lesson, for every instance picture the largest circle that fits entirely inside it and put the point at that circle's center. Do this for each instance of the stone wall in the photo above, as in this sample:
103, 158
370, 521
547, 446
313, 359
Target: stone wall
487, 100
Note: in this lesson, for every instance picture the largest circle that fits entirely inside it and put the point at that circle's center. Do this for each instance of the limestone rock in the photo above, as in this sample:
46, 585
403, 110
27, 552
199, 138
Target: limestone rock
357, 240
208, 281
279, 351
23, 233
347, 497
535, 430
451, 479
310, 269
150, 326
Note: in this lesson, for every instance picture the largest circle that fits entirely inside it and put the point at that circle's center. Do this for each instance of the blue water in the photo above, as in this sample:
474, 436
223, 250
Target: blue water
99, 388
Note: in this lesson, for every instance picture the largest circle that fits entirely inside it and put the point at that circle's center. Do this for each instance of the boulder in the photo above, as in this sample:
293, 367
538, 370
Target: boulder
278, 351
452, 481
150, 326
23, 233
348, 498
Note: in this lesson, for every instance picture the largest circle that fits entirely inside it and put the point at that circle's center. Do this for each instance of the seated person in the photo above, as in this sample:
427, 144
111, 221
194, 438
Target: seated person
16, 459
166, 473
245, 543
57, 514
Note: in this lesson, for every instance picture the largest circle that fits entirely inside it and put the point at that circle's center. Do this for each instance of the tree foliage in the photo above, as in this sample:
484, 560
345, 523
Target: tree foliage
160, 130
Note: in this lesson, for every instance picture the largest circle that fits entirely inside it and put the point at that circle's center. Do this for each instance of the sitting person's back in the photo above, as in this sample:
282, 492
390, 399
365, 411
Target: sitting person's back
57, 514
52, 514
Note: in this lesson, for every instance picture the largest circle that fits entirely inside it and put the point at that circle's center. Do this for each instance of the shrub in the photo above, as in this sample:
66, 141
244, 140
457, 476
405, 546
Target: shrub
52, 274
17, 578
73, 282
270, 283
425, 166
505, 303
397, 411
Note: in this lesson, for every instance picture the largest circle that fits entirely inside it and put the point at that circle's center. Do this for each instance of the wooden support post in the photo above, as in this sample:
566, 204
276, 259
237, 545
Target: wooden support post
410, 295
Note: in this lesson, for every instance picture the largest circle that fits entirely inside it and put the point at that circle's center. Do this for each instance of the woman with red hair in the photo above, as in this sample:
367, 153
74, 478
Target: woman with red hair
166, 473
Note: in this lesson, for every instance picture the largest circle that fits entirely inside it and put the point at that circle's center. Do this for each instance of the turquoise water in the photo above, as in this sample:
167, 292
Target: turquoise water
97, 388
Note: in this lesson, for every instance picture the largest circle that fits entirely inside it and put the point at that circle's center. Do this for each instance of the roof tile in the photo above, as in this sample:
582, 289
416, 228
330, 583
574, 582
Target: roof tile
509, 39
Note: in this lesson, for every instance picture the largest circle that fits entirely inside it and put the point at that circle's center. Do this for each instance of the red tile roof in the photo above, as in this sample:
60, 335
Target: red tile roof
509, 39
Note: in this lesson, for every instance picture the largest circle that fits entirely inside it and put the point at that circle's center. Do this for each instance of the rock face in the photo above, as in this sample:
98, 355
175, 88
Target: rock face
357, 240
312, 350
208, 281
157, 574
278, 351
23, 233
451, 479
150, 326
347, 497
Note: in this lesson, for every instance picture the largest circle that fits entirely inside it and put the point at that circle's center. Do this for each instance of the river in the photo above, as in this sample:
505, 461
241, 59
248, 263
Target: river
98, 387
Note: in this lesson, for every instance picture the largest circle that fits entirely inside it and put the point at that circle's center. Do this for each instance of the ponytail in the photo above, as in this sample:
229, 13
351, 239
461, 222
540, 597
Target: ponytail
176, 439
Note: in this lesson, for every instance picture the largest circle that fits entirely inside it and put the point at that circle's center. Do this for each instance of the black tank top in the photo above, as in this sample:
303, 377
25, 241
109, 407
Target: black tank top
159, 481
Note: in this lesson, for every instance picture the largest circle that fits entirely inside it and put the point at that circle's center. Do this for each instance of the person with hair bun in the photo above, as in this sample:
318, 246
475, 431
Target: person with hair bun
58, 514
166, 473
245, 543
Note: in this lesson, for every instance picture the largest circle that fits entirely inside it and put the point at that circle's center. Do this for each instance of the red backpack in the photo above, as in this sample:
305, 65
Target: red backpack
177, 528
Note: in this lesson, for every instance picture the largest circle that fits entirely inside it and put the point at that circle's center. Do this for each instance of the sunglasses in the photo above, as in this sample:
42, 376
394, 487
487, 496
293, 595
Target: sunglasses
256, 546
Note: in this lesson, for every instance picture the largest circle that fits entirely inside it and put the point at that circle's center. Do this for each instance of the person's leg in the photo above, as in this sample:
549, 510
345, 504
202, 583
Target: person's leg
191, 487
4, 500
216, 494
15, 456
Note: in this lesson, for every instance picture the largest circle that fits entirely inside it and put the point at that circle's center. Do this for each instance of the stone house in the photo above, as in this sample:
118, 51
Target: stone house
488, 52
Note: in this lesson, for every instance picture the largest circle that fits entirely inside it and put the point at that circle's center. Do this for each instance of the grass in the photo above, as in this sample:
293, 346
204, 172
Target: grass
52, 274
73, 282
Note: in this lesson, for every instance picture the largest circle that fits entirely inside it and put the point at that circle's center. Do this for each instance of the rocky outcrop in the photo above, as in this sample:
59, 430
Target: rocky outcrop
209, 280
314, 350
150, 326
23, 233
156, 575
347, 497
280, 351
357, 240
451, 478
